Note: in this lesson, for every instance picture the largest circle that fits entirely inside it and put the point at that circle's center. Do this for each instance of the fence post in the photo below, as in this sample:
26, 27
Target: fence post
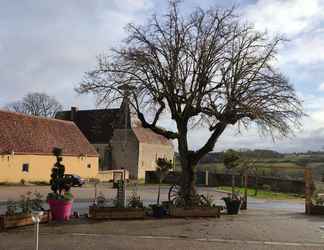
308, 190
206, 178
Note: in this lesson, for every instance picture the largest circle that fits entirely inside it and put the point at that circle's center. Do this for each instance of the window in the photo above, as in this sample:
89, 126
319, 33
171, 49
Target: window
25, 167
89, 165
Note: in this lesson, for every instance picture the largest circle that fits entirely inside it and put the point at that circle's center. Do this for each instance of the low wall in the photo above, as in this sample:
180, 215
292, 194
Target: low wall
108, 175
216, 180
275, 184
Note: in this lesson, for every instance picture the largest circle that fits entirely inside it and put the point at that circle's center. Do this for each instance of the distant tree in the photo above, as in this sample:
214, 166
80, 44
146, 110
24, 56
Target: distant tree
248, 166
231, 162
207, 69
37, 104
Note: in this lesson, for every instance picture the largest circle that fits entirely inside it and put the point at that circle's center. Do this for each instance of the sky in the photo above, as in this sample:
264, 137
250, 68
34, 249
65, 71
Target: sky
46, 46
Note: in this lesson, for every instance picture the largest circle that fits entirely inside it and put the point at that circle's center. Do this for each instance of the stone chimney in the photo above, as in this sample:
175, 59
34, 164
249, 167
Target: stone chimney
74, 111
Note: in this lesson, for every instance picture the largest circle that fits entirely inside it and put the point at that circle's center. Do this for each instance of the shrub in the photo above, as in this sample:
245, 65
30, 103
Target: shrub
266, 187
27, 203
59, 184
134, 201
12, 208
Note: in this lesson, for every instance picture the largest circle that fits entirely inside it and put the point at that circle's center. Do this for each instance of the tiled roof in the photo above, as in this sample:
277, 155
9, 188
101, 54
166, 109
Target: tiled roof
146, 135
26, 134
97, 125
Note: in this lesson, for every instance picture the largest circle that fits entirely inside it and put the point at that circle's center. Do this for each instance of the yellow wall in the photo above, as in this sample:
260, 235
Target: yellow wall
149, 153
40, 167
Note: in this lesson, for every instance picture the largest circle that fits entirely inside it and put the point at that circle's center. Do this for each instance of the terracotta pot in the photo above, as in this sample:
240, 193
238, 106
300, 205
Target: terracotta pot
61, 210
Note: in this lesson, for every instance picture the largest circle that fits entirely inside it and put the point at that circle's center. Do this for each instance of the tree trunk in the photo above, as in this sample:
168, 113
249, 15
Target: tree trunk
188, 177
256, 186
244, 203
188, 184
233, 184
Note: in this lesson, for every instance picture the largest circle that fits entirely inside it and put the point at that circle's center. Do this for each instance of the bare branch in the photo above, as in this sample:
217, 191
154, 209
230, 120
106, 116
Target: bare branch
37, 104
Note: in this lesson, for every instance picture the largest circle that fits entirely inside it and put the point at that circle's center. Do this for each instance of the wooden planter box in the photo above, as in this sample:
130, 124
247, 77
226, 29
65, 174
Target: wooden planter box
195, 212
116, 213
11, 221
316, 210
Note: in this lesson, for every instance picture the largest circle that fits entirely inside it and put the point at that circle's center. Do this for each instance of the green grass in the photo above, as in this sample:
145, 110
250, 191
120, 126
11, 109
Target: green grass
263, 194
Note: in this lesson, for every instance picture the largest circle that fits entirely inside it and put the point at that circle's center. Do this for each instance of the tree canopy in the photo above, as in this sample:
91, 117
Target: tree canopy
205, 68
37, 104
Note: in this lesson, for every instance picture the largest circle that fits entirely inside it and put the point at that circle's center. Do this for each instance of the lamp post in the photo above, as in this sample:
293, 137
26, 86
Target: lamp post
36, 216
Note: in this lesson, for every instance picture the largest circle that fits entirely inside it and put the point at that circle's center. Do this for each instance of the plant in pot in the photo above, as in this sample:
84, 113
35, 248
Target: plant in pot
134, 200
233, 201
60, 200
19, 213
162, 170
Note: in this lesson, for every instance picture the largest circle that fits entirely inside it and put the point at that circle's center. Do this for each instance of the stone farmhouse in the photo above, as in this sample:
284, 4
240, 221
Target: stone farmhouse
120, 140
26, 144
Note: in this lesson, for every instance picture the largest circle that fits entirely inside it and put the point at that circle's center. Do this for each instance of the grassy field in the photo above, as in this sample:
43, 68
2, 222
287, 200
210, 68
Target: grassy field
263, 194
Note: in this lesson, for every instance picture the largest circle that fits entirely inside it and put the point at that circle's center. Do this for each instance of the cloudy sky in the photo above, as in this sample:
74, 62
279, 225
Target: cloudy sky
46, 46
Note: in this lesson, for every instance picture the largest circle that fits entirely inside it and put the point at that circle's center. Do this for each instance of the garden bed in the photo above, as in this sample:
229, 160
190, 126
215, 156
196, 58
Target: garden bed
18, 220
180, 212
116, 213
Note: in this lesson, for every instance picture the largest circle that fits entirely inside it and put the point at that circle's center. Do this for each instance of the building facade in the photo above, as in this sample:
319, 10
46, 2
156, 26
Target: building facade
120, 140
26, 145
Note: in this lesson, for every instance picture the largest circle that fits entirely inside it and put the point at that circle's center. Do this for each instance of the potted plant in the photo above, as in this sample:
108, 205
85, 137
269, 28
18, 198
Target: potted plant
60, 200
19, 213
162, 170
203, 207
317, 205
103, 209
233, 201
135, 201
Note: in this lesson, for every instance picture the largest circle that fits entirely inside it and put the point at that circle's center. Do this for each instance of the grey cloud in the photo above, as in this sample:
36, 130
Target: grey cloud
302, 140
48, 45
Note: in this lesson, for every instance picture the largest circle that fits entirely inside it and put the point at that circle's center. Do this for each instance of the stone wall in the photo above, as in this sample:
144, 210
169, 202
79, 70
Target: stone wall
101, 149
125, 151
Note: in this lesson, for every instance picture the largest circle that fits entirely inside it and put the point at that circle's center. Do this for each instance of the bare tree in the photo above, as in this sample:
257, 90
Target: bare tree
206, 68
37, 104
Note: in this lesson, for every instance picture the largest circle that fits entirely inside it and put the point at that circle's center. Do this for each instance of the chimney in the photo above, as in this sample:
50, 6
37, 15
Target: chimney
74, 111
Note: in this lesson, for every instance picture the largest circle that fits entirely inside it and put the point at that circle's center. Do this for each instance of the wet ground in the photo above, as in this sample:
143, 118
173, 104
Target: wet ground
267, 224
254, 229
84, 196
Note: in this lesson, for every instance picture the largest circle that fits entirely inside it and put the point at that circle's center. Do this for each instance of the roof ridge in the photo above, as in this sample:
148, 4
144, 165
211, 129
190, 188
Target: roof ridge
34, 117
88, 110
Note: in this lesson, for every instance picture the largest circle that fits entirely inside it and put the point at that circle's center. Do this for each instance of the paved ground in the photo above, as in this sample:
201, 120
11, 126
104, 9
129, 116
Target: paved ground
281, 227
147, 193
252, 229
